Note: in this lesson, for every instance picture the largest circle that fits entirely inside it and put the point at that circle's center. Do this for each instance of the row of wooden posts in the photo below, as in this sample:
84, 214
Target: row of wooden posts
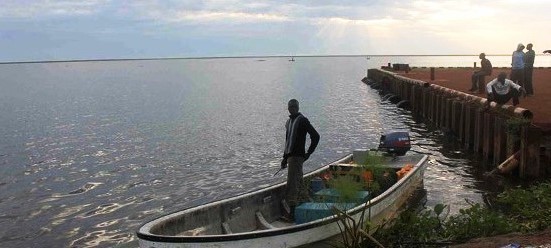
494, 131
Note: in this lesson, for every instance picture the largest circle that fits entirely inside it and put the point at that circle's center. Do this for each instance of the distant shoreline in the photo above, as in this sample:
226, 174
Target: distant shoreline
237, 57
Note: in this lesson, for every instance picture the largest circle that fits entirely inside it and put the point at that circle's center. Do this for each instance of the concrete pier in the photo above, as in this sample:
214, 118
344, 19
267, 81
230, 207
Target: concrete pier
493, 131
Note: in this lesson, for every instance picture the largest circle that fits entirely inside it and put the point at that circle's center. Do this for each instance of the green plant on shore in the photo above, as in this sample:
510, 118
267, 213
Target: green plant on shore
354, 232
530, 208
517, 209
477, 221
412, 228
434, 228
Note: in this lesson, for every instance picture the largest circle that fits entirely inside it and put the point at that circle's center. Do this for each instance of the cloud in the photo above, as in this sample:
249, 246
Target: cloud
45, 8
268, 27
200, 17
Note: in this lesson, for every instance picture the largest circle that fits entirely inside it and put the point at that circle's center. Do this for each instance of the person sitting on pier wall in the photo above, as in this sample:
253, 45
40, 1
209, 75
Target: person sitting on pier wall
478, 76
501, 90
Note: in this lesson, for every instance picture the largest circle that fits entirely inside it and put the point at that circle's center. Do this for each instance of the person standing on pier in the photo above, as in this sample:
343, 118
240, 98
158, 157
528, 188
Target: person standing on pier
529, 57
294, 155
501, 90
478, 76
517, 65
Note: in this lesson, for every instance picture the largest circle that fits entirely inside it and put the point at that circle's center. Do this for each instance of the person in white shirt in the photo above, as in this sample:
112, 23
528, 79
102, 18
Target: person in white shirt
501, 90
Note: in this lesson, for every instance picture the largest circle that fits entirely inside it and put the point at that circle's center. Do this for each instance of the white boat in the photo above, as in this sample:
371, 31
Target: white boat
254, 219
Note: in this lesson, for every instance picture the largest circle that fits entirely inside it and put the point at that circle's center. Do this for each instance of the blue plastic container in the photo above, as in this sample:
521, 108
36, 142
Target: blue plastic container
310, 211
316, 184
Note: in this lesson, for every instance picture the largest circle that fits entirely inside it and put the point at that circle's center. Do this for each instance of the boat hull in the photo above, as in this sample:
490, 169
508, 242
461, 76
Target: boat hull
383, 207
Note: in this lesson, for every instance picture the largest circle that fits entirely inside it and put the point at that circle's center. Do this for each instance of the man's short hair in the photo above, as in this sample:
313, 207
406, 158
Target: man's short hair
293, 102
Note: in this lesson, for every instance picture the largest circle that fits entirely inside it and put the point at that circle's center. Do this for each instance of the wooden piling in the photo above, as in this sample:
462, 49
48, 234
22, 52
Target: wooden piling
455, 117
488, 136
478, 130
426, 107
462, 121
469, 128
433, 108
530, 150
448, 114
500, 140
442, 111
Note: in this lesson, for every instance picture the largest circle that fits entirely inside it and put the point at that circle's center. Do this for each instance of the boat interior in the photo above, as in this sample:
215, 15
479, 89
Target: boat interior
263, 209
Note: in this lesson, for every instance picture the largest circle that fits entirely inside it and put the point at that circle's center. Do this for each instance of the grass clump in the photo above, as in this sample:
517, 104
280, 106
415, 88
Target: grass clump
530, 208
434, 228
517, 209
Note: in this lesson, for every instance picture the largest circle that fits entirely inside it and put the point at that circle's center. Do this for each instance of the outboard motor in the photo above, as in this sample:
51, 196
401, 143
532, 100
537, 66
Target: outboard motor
395, 143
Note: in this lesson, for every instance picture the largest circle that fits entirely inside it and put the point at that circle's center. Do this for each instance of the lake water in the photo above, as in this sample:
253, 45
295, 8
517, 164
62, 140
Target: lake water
91, 150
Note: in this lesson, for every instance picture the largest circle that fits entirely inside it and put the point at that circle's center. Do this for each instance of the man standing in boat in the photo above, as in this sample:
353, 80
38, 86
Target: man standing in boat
294, 155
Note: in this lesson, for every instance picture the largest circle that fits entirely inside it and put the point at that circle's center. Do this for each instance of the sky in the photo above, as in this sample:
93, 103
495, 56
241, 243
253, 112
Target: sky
39, 30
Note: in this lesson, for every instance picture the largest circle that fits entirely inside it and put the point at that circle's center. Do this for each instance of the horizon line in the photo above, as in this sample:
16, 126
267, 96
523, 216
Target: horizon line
236, 57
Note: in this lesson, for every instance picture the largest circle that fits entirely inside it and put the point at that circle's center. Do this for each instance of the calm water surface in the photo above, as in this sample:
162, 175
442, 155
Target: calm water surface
91, 150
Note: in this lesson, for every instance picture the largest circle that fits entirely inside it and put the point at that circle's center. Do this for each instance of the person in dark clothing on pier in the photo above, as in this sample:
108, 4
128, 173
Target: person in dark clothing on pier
478, 76
529, 57
501, 90
294, 155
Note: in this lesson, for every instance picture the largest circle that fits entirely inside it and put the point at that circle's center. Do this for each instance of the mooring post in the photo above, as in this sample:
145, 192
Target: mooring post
432, 73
